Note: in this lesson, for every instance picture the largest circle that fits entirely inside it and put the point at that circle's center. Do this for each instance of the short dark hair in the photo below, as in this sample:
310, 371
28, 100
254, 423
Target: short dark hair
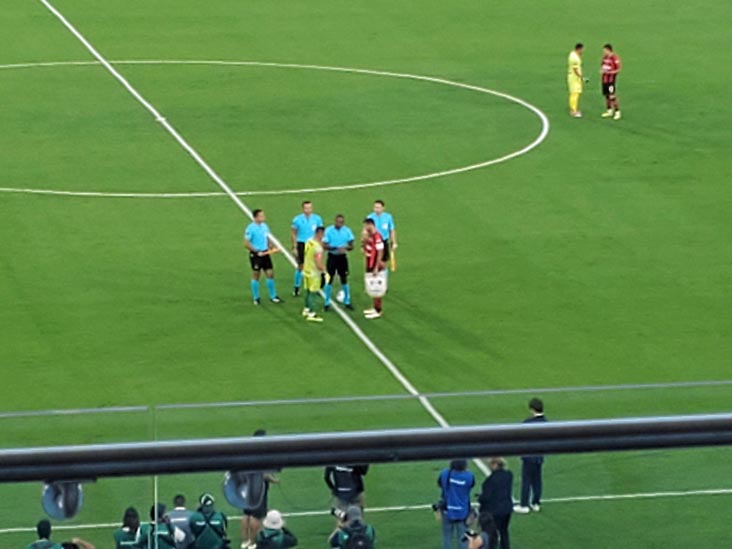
459, 464
131, 518
256, 212
260, 433
179, 500
608, 46
341, 216
379, 202
320, 229
579, 45
43, 529
369, 221
306, 202
160, 511
537, 405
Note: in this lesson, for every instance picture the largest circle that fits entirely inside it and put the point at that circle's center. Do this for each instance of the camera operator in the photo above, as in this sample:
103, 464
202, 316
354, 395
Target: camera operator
496, 497
456, 482
352, 532
346, 485
486, 538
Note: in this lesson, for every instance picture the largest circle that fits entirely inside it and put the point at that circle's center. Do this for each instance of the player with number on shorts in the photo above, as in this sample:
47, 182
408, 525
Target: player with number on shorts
609, 69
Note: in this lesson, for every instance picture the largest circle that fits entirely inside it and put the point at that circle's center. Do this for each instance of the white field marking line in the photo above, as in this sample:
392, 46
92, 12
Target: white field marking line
368, 398
542, 135
422, 507
225, 187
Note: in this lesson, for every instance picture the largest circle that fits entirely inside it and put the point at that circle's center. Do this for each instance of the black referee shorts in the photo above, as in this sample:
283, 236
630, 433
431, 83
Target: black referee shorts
260, 262
300, 253
337, 263
387, 252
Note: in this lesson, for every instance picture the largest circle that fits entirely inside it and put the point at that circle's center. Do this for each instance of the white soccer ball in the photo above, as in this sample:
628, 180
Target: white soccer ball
340, 296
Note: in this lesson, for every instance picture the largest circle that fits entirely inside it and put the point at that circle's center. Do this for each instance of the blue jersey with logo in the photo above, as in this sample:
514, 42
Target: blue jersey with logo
306, 225
256, 234
384, 223
337, 238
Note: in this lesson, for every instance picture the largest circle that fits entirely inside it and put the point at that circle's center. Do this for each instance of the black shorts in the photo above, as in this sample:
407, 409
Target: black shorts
300, 253
338, 263
260, 262
608, 89
387, 252
259, 513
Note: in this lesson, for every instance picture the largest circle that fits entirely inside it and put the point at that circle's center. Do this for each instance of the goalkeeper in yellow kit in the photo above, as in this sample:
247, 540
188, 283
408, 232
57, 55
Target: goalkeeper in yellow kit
575, 80
314, 272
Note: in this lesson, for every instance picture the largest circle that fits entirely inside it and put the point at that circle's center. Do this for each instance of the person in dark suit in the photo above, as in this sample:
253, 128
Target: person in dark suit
496, 498
531, 483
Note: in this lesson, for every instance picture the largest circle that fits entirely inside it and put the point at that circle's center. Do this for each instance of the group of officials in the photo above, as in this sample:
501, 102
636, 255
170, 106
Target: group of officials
609, 70
322, 253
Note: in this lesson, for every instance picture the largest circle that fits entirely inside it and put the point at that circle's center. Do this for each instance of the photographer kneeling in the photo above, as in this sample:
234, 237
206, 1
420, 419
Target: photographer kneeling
487, 538
353, 532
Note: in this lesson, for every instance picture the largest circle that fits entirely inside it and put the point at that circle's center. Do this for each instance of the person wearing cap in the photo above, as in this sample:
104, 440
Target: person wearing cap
208, 525
159, 533
128, 535
43, 529
353, 531
274, 535
496, 498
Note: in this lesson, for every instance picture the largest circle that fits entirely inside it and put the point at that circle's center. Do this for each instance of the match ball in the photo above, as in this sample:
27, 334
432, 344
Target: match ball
340, 296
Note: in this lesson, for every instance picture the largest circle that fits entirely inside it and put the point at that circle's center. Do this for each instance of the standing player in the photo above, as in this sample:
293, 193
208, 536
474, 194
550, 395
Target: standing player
384, 223
575, 80
261, 248
313, 270
303, 229
610, 68
373, 248
338, 240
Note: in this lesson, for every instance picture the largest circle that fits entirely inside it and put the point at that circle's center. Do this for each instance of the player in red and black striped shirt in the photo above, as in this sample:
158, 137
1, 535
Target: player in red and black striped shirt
610, 68
372, 245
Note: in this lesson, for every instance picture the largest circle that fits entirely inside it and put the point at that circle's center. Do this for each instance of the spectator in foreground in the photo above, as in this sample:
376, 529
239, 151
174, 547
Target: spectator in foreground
456, 482
346, 485
180, 518
159, 533
43, 529
128, 535
353, 532
531, 481
251, 522
208, 525
496, 498
274, 535
487, 538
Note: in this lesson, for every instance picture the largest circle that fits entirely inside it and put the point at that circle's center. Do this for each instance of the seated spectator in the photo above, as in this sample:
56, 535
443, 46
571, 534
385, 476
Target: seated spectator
209, 525
353, 532
43, 529
274, 535
128, 535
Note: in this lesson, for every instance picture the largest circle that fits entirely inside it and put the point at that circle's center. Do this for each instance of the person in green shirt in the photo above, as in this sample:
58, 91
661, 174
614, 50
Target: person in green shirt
275, 535
43, 529
209, 525
159, 528
128, 535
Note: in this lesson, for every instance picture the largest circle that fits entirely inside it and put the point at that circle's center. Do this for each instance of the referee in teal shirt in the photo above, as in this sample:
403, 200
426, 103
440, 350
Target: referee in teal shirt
256, 239
338, 240
384, 222
302, 230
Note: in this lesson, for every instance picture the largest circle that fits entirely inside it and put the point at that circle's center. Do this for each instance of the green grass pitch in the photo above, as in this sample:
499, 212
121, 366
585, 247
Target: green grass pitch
602, 257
